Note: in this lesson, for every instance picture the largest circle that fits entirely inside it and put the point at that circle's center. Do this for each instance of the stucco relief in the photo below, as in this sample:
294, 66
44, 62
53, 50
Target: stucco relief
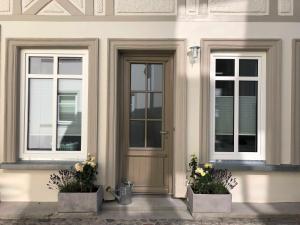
5, 7
145, 7
99, 7
249, 7
285, 7
62, 7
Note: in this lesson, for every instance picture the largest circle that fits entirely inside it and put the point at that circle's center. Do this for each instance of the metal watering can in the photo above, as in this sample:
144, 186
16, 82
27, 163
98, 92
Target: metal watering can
123, 192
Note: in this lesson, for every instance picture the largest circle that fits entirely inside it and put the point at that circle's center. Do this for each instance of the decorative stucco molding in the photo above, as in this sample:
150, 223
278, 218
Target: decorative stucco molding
285, 7
98, 7
145, 7
6, 7
246, 7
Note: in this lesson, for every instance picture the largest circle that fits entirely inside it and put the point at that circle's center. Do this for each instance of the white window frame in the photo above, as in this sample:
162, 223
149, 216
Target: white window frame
26, 154
261, 104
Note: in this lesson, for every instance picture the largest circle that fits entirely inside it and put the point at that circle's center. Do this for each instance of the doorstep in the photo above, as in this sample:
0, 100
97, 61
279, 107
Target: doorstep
156, 207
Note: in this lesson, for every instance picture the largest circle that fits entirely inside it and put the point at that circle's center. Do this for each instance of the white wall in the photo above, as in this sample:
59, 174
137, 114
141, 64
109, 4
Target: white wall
192, 32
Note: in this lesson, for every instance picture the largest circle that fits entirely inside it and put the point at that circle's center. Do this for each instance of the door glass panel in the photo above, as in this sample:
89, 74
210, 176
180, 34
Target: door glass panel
40, 115
155, 77
224, 116
137, 103
248, 67
138, 77
40, 65
153, 134
70, 65
248, 116
155, 102
225, 67
137, 133
69, 115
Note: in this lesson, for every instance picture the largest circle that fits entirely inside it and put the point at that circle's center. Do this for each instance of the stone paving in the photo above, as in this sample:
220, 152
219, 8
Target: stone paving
98, 221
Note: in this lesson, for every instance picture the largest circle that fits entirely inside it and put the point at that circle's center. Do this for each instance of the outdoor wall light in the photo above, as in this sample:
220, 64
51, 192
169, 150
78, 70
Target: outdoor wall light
195, 51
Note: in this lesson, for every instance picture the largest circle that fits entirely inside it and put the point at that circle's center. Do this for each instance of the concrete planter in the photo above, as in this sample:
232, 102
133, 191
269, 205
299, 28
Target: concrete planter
208, 203
80, 202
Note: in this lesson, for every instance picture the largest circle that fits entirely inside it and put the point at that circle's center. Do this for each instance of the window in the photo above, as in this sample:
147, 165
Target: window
237, 106
53, 103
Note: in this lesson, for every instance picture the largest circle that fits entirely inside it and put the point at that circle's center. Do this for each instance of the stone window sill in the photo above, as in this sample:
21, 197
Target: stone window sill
259, 166
37, 165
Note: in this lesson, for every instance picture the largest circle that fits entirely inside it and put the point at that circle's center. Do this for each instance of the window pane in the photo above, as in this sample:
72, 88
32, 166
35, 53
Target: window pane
248, 116
153, 134
224, 67
248, 67
70, 65
138, 77
224, 116
155, 101
155, 77
69, 115
40, 114
137, 105
137, 134
40, 65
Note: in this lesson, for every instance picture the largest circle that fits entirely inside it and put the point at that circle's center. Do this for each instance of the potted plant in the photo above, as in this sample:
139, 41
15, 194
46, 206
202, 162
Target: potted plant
78, 191
209, 188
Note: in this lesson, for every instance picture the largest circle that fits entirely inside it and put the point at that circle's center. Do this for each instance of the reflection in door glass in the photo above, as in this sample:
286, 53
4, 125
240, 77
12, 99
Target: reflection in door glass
155, 102
137, 105
155, 77
153, 134
137, 134
138, 77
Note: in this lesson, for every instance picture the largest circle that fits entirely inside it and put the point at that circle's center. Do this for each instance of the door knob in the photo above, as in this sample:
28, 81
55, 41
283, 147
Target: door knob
164, 132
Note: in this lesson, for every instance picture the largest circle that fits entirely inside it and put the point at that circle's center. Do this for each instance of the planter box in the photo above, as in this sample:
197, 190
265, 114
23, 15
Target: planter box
208, 203
80, 202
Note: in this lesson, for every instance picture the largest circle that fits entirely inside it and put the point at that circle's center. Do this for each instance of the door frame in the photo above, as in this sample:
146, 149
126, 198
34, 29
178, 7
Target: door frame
132, 56
178, 46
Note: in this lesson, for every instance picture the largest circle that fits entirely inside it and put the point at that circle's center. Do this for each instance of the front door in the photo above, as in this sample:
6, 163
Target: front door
147, 121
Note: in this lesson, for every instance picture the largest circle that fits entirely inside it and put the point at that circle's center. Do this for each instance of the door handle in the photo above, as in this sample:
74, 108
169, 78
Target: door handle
164, 132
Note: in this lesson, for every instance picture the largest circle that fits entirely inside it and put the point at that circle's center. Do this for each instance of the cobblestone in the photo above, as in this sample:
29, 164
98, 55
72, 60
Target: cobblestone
98, 221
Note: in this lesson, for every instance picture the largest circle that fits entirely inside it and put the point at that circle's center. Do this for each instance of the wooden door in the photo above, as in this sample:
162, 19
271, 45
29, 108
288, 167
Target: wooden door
147, 122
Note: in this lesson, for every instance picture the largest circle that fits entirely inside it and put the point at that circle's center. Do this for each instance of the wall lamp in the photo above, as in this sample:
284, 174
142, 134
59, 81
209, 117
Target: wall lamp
195, 51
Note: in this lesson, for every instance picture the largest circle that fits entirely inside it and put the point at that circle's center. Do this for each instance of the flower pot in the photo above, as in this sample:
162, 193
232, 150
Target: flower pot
80, 202
208, 203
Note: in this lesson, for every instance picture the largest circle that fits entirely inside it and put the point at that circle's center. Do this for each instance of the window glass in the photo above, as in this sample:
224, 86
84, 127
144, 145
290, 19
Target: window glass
137, 134
40, 65
69, 115
138, 77
40, 115
138, 103
70, 65
248, 67
225, 67
155, 103
153, 134
248, 116
155, 77
224, 116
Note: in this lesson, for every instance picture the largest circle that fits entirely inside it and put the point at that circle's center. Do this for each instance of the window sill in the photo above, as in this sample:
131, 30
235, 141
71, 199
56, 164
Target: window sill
259, 166
37, 165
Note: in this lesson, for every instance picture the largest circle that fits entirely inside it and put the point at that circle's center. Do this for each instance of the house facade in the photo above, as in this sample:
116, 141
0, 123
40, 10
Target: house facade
142, 85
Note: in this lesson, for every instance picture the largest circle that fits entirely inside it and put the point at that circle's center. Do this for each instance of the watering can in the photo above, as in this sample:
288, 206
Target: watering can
123, 193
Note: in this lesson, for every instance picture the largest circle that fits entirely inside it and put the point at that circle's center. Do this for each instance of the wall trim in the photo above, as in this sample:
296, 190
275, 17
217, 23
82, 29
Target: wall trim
273, 91
10, 132
180, 98
295, 140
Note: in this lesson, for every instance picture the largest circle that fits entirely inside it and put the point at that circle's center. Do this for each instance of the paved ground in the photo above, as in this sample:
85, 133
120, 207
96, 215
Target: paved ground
97, 221
150, 211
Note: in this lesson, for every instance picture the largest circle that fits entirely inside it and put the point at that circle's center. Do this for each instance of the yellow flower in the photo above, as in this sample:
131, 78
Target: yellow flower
92, 164
78, 167
200, 171
208, 166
